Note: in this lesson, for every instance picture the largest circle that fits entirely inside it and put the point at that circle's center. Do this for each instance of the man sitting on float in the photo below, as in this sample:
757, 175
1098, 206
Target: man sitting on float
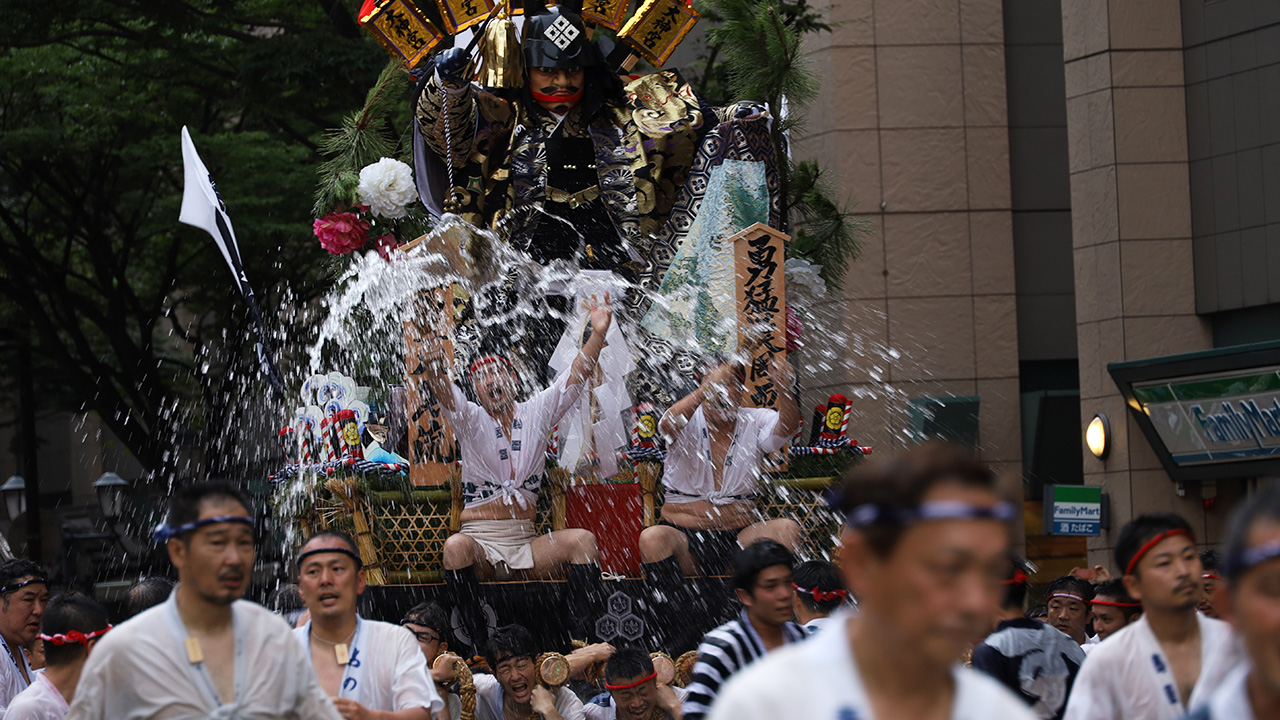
715, 450
502, 444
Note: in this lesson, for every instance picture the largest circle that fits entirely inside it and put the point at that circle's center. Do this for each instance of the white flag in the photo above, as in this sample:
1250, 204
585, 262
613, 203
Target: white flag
202, 207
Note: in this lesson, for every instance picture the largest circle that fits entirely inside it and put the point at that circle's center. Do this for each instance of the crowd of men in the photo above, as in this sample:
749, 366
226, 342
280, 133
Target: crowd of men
925, 550
923, 577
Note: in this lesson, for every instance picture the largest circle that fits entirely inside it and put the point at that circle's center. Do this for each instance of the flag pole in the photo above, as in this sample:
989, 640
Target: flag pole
202, 207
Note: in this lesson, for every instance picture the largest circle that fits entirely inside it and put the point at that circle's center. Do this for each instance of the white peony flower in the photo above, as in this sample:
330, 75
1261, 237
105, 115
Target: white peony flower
387, 187
804, 279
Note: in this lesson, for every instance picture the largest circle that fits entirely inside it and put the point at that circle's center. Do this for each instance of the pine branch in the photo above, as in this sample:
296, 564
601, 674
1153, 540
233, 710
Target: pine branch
360, 141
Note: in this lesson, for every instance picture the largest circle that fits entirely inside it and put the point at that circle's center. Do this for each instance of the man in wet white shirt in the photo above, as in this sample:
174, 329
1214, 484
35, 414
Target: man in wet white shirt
371, 669
24, 592
204, 652
503, 447
925, 549
715, 452
430, 627
634, 691
512, 691
71, 627
1252, 605
1169, 660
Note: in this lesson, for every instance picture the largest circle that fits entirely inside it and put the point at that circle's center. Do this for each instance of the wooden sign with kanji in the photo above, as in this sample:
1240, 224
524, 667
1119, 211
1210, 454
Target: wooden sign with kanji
759, 262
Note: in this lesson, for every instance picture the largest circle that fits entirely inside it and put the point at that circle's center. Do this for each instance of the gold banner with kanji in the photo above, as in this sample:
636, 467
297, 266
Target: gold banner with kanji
605, 13
657, 28
401, 28
458, 15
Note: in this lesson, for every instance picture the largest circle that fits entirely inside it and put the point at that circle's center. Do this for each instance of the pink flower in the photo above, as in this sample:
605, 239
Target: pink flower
341, 233
386, 245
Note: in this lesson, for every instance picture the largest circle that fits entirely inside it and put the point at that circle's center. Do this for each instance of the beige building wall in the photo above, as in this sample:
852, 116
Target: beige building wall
1131, 218
912, 125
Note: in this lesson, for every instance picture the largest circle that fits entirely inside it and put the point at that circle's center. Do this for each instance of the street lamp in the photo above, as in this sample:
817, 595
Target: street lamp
14, 491
111, 494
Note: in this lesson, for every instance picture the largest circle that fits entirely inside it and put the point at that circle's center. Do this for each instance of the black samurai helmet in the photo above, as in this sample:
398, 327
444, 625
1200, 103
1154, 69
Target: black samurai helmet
554, 36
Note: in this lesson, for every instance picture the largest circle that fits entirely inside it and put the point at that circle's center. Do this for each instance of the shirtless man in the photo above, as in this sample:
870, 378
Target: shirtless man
373, 670
503, 443
204, 652
715, 449
1170, 659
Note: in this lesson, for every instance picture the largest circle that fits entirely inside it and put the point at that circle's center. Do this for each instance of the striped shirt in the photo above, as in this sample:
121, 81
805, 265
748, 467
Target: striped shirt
723, 652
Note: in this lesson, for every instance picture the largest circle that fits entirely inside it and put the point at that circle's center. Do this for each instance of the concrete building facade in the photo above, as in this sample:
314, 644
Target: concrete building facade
1053, 186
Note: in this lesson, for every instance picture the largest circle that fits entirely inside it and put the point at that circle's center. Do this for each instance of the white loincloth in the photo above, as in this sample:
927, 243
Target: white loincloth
505, 542
818, 679
140, 670
1128, 677
387, 671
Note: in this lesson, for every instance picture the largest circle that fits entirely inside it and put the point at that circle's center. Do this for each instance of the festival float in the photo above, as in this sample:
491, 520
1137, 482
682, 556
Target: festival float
670, 206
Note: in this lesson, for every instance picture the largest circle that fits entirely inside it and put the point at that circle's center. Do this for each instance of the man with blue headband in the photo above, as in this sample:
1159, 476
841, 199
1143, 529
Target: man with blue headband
925, 548
24, 592
1252, 573
205, 652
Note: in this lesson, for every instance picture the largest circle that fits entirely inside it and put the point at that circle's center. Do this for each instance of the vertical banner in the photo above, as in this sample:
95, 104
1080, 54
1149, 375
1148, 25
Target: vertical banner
432, 449
759, 258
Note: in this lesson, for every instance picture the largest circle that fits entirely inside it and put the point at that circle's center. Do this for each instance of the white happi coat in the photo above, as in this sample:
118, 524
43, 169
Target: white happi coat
818, 679
11, 680
489, 700
498, 467
140, 670
41, 701
386, 670
687, 473
1128, 677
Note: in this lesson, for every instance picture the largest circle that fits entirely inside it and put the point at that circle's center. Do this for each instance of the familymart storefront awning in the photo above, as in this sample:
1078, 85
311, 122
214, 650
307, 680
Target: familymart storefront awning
1208, 415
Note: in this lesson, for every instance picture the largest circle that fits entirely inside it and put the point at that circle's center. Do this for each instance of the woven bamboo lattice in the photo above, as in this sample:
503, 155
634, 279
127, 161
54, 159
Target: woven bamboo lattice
410, 532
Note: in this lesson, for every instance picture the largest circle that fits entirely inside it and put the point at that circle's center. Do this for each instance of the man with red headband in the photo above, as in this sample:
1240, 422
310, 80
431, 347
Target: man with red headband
820, 591
204, 652
1212, 581
1068, 600
503, 447
925, 549
71, 627
634, 691
1113, 608
1170, 659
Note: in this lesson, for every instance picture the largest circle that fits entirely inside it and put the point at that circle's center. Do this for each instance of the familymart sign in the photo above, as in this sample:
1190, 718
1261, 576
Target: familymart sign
1225, 417
1073, 510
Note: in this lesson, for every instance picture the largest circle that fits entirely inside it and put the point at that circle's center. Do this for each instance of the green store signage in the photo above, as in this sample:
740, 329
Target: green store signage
1209, 415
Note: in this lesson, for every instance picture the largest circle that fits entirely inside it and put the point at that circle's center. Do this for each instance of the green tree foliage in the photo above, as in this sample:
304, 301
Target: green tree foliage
755, 52
130, 314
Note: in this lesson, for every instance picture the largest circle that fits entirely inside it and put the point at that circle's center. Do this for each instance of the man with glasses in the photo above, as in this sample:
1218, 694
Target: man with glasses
430, 627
